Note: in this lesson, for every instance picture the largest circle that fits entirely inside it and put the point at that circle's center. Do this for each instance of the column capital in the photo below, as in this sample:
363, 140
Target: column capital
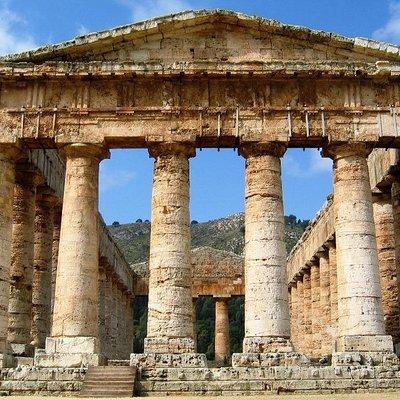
331, 244
77, 150
157, 149
336, 151
322, 252
262, 149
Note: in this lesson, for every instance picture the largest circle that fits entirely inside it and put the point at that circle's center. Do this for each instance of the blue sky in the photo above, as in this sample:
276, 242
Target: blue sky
217, 178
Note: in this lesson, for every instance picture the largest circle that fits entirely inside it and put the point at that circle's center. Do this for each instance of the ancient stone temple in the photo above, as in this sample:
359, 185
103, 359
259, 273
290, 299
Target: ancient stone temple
325, 319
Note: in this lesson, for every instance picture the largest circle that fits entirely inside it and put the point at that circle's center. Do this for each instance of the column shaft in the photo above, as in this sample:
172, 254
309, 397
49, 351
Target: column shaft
56, 244
75, 318
325, 304
20, 308
385, 239
307, 305
267, 325
222, 338
333, 290
42, 267
315, 310
300, 317
7, 179
170, 318
294, 317
361, 322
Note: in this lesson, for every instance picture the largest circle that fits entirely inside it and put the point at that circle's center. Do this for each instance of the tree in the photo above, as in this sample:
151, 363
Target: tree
115, 223
139, 221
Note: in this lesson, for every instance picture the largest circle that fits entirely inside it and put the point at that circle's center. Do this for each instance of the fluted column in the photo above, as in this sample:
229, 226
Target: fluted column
294, 317
361, 323
20, 308
114, 320
385, 240
42, 267
222, 338
170, 318
307, 305
267, 325
75, 328
121, 322
300, 317
102, 307
315, 309
325, 303
56, 244
395, 192
333, 290
108, 313
8, 155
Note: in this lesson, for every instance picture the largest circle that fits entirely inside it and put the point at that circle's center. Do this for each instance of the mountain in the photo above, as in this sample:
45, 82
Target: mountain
223, 234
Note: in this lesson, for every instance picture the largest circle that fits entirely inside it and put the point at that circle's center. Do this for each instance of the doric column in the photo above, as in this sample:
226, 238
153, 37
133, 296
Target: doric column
385, 240
396, 227
307, 305
267, 325
300, 316
56, 243
361, 323
294, 317
170, 318
315, 309
108, 313
102, 306
325, 303
8, 155
42, 267
121, 321
75, 326
114, 320
333, 289
20, 308
222, 339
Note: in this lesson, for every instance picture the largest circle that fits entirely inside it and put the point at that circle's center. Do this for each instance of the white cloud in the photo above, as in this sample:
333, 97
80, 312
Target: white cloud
13, 39
142, 10
112, 178
391, 31
314, 165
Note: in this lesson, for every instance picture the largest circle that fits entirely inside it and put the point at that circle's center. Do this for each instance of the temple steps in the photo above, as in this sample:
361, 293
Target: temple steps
109, 381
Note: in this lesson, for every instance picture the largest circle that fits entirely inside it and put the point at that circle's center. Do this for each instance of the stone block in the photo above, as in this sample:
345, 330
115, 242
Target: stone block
79, 344
268, 359
69, 360
172, 346
24, 360
364, 358
188, 360
266, 345
377, 343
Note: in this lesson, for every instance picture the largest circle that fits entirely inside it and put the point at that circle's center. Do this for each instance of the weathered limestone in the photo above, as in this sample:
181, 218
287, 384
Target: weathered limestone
56, 244
222, 339
129, 323
307, 317
8, 155
21, 274
395, 192
295, 311
333, 292
325, 303
74, 338
170, 319
267, 327
102, 306
42, 267
385, 239
114, 319
361, 322
315, 310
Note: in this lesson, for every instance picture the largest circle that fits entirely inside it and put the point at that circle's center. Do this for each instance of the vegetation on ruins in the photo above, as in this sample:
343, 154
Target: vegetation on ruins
223, 234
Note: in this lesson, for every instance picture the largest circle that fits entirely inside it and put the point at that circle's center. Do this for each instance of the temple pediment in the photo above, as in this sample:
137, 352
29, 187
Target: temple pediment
211, 36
